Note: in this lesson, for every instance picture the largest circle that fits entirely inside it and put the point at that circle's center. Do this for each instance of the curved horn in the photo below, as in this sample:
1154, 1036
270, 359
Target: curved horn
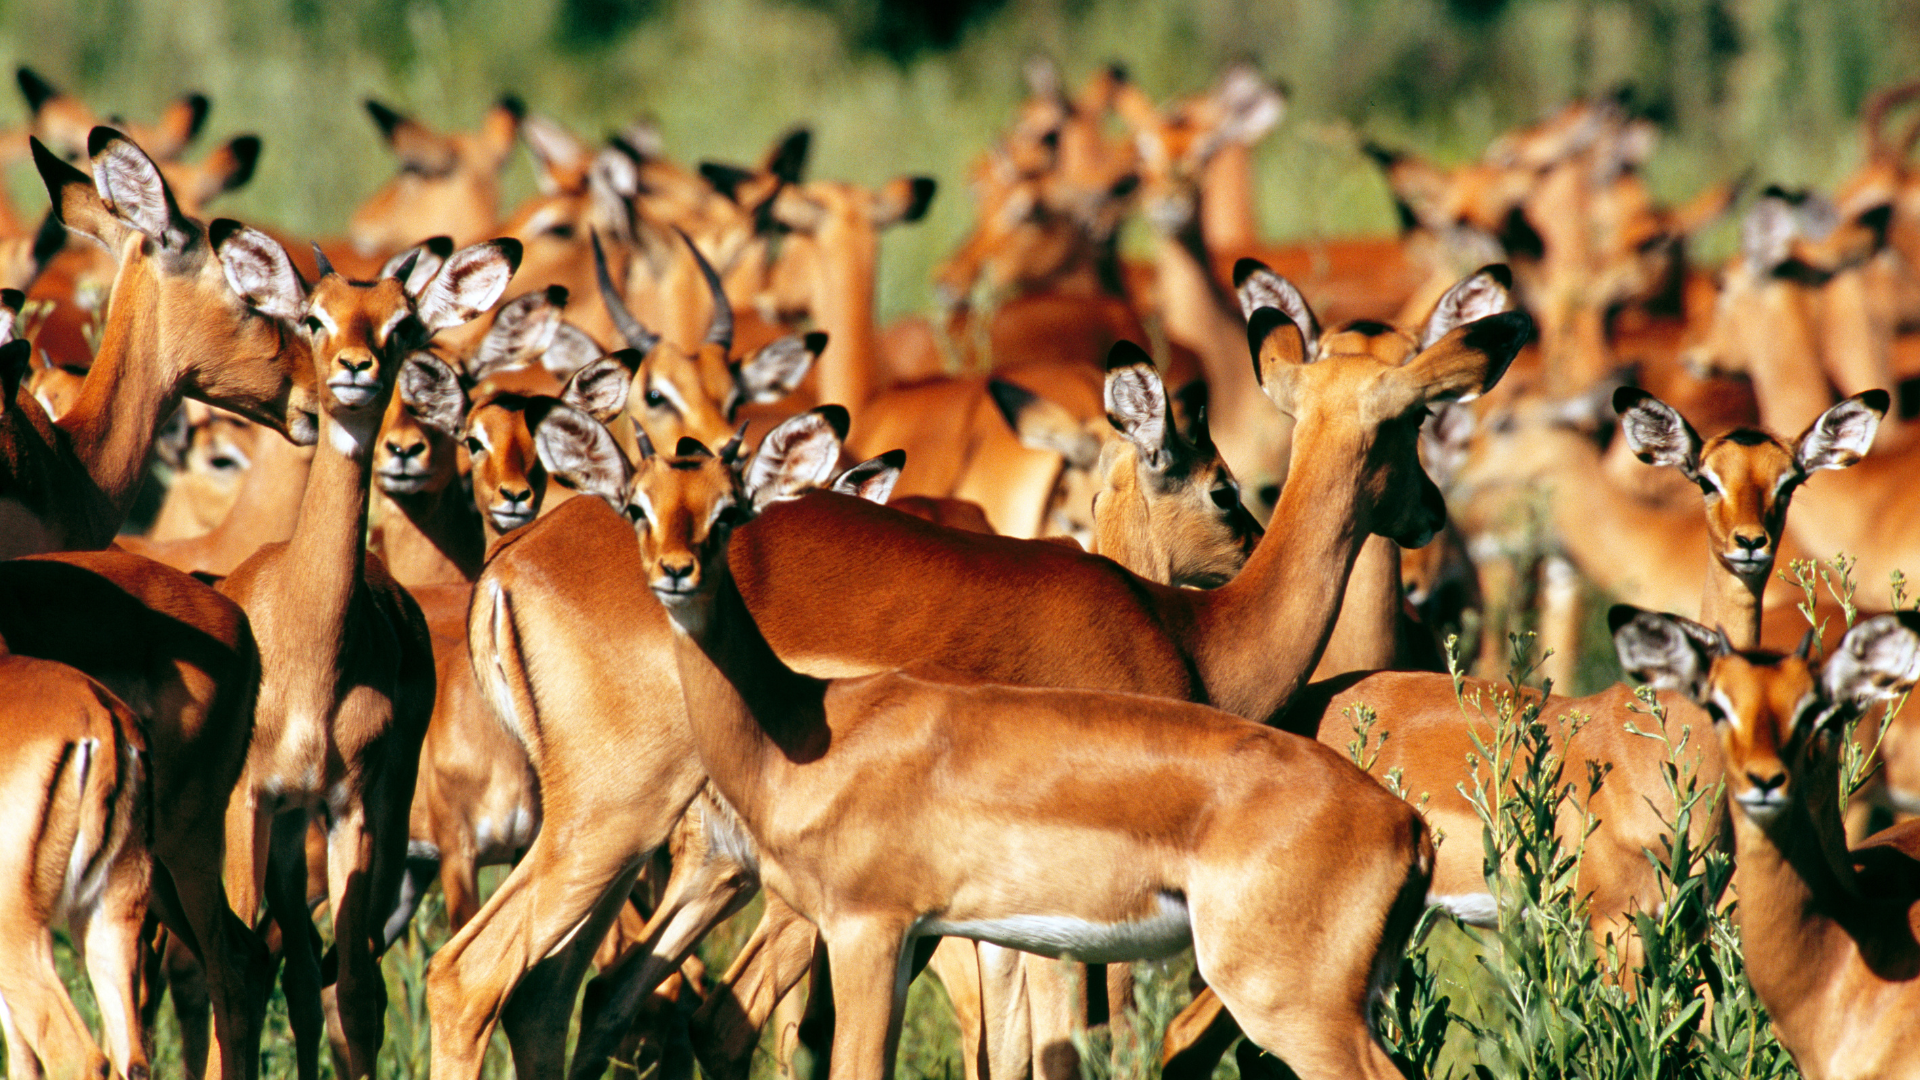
720, 326
638, 336
320, 257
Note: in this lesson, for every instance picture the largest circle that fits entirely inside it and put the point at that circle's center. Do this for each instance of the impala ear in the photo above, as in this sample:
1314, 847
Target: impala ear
904, 199
230, 166
560, 157
1843, 434
600, 387
131, 187
1277, 347
430, 390
771, 373
1666, 652
76, 202
1468, 360
1040, 424
570, 350
1259, 287
422, 149
1487, 291
798, 455
874, 478
179, 125
416, 266
522, 330
1877, 660
1136, 403
470, 283
580, 452
258, 270
1656, 432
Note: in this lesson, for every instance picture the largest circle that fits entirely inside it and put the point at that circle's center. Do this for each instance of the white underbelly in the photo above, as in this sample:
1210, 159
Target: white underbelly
1091, 942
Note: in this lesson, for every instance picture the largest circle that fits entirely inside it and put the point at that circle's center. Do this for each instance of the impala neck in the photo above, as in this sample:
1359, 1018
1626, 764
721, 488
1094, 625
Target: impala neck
1364, 637
751, 713
1226, 205
1733, 603
1261, 634
124, 397
1797, 898
329, 545
1199, 314
430, 538
1782, 359
843, 307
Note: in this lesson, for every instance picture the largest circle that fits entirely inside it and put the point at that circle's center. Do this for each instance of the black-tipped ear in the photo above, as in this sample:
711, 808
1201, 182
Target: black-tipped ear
837, 418
873, 479
725, 179
1666, 652
923, 188
48, 241
386, 118
1010, 399
512, 106
246, 157
1126, 354
1246, 268
37, 90
1656, 432
788, 162
1263, 323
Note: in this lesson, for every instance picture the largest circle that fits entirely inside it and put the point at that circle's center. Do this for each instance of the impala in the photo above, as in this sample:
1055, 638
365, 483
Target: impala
74, 842
1828, 934
784, 748
1240, 644
347, 669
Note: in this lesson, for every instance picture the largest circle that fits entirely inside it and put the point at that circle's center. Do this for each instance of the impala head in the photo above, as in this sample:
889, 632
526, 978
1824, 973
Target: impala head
1367, 387
1775, 714
1176, 143
1168, 508
845, 218
685, 505
220, 304
695, 393
64, 122
508, 470
447, 184
419, 436
362, 332
1748, 476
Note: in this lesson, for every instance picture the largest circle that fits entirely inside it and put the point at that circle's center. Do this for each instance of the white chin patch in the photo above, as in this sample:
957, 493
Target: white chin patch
1472, 909
350, 438
1088, 942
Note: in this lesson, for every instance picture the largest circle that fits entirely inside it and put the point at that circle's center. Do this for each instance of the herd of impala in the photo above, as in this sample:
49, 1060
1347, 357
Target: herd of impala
1034, 629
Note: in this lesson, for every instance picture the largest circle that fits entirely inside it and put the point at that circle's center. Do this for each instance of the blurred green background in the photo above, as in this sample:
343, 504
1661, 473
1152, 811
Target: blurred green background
893, 87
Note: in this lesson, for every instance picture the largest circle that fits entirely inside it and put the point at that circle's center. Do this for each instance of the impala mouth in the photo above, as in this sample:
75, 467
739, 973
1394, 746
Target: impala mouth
507, 520
1763, 806
353, 393
404, 481
1749, 563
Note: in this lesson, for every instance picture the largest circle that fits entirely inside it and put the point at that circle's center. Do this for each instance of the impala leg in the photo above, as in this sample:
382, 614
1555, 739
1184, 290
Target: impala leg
957, 963
108, 937
1197, 1038
539, 1013
726, 1029
186, 981
1125, 1039
45, 1037
1057, 1004
870, 975
547, 897
706, 888
286, 891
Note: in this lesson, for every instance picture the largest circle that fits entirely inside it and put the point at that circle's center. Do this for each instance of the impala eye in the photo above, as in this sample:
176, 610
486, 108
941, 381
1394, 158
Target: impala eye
1226, 498
313, 325
562, 231
656, 399
475, 446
